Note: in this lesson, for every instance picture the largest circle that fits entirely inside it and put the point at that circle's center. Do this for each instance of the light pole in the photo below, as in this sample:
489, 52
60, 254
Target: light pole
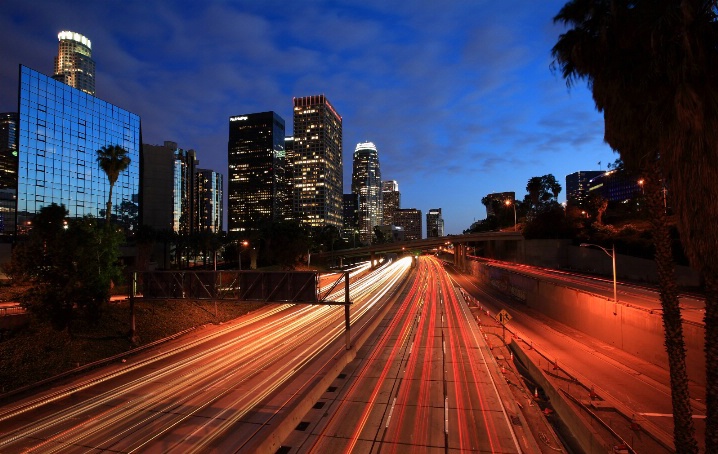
244, 243
508, 202
611, 254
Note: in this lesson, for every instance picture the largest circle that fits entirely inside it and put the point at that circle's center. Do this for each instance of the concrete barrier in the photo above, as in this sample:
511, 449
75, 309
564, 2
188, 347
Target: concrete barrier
631, 329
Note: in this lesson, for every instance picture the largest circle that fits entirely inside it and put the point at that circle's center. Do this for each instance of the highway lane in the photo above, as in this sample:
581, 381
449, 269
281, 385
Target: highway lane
425, 385
189, 395
642, 387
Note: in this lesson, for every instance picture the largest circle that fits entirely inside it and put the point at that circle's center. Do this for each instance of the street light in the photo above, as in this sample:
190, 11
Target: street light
508, 202
611, 254
244, 243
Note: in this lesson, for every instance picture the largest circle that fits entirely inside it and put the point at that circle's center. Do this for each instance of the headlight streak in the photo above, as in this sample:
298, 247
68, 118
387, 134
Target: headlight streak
468, 318
316, 318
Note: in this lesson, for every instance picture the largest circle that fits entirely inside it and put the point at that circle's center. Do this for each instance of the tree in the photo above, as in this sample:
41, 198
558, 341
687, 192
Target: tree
652, 68
70, 266
543, 191
113, 160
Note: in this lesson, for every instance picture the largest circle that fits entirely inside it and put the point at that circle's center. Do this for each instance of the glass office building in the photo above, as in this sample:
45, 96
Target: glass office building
60, 130
258, 188
8, 173
366, 183
209, 197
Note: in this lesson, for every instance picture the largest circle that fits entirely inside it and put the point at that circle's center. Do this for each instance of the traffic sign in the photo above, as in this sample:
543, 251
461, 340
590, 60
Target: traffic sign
503, 317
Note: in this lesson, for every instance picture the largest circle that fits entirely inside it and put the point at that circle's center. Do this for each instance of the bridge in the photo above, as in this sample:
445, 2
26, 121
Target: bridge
459, 243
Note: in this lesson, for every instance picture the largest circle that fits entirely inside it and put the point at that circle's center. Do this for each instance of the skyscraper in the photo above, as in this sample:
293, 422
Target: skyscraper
434, 223
366, 184
351, 217
316, 161
577, 185
391, 200
168, 181
410, 220
74, 65
60, 129
8, 171
258, 187
208, 200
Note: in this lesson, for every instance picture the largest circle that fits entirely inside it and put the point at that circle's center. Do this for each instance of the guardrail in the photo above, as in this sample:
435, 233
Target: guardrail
11, 310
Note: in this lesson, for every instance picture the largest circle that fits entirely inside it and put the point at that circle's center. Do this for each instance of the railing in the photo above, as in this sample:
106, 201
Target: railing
11, 310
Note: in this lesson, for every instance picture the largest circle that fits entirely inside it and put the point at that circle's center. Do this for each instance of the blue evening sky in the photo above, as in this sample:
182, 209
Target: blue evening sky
457, 95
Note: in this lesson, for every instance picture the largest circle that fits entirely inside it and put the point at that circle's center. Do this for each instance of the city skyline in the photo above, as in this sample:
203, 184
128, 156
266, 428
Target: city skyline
459, 111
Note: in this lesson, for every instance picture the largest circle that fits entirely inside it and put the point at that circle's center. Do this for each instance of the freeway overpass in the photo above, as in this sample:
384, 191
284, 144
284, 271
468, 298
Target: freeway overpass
459, 243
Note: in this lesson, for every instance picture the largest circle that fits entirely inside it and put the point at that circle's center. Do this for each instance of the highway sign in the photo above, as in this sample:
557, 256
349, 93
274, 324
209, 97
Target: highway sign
503, 317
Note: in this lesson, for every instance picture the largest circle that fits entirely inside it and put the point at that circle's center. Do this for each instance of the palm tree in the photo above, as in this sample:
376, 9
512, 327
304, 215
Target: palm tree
113, 160
652, 68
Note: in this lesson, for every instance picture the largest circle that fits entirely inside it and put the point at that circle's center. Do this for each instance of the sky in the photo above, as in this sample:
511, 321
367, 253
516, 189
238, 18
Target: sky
457, 95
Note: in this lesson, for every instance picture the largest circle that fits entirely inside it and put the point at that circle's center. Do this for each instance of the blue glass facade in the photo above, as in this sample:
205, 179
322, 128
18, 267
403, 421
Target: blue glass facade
60, 130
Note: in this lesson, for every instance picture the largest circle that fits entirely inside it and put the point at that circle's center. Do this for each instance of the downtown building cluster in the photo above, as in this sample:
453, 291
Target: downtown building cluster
48, 155
273, 177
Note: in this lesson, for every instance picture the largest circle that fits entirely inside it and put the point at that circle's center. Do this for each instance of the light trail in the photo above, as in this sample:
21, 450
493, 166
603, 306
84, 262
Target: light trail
280, 338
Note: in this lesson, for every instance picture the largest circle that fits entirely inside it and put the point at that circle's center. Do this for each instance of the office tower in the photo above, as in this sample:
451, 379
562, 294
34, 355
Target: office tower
615, 186
366, 183
258, 189
577, 186
410, 220
8, 172
499, 198
317, 162
168, 185
74, 65
391, 200
208, 200
350, 226
60, 130
434, 223
289, 177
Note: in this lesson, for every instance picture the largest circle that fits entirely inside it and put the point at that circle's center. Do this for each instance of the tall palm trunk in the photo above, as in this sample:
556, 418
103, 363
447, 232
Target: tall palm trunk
684, 430
108, 211
711, 352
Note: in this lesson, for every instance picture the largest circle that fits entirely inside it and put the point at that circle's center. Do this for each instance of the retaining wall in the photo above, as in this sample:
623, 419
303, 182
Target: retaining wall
634, 330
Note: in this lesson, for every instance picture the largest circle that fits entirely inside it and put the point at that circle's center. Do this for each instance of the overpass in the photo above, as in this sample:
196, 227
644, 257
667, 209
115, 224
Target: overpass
459, 243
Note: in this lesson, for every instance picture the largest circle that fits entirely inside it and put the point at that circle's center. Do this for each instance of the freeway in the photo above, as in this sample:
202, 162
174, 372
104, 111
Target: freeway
204, 392
428, 383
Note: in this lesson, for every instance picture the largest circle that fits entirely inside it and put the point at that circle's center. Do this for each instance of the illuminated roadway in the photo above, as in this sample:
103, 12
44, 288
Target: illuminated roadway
193, 394
428, 384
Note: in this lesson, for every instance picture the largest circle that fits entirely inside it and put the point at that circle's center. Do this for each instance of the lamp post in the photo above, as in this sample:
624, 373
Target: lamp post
508, 202
611, 254
244, 243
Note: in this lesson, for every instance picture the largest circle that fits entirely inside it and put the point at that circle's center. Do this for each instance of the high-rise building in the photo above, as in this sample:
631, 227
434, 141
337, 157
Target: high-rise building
366, 184
350, 226
615, 186
208, 200
8, 172
60, 129
410, 220
434, 223
500, 198
168, 186
74, 65
577, 185
391, 200
316, 161
258, 188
